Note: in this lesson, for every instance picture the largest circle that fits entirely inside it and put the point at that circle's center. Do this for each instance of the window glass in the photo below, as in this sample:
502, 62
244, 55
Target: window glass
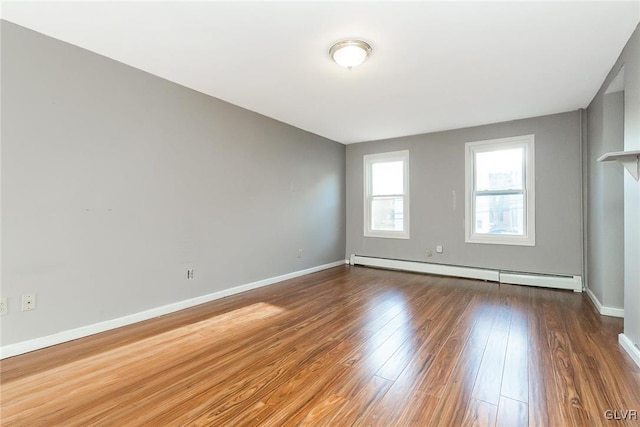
386, 186
500, 191
499, 169
499, 214
387, 178
387, 213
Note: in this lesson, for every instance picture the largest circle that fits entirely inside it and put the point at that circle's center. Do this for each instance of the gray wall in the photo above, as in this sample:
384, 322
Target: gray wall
630, 59
605, 213
437, 217
114, 182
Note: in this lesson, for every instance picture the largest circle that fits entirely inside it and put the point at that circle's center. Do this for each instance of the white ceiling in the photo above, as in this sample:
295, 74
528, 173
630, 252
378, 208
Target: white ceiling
434, 66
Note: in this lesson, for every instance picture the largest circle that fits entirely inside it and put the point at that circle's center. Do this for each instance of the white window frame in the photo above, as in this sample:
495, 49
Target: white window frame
369, 160
471, 148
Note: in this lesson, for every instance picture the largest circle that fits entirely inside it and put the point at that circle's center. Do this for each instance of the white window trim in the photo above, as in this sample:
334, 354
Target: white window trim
369, 159
529, 237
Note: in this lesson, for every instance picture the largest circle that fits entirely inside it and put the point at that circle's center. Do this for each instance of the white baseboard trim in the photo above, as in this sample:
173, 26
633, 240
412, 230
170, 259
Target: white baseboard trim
84, 331
573, 283
423, 267
542, 280
630, 348
604, 310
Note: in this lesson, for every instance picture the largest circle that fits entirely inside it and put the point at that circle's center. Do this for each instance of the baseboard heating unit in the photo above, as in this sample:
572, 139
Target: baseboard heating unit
573, 283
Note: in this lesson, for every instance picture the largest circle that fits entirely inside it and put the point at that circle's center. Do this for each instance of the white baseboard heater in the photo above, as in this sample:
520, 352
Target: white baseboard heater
573, 283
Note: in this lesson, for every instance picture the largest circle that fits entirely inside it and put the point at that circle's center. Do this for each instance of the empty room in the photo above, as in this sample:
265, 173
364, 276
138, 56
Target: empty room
320, 213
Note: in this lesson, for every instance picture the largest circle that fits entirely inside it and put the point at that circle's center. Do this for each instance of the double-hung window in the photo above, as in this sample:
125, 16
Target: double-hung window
386, 195
500, 197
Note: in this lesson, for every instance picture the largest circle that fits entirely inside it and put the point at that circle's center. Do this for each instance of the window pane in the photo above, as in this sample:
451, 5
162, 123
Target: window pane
387, 213
387, 178
499, 214
499, 170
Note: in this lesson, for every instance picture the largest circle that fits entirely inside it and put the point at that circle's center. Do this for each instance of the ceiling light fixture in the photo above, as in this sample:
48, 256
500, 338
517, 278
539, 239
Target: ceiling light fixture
350, 53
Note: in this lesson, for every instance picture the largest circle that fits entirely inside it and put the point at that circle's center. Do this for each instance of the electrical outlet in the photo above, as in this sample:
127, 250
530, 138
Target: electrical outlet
299, 253
439, 249
190, 273
3, 305
28, 302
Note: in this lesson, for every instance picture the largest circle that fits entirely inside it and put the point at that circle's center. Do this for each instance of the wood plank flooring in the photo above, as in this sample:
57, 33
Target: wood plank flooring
346, 346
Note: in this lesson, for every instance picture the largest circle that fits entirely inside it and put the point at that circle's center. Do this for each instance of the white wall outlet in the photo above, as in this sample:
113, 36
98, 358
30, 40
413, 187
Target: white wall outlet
439, 249
28, 302
428, 253
299, 253
3, 305
190, 273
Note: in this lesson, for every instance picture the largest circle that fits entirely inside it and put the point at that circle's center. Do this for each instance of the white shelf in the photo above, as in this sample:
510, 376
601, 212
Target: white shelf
629, 159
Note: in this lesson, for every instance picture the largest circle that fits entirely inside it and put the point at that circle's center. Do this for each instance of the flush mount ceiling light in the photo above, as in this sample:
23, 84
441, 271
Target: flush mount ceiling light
350, 53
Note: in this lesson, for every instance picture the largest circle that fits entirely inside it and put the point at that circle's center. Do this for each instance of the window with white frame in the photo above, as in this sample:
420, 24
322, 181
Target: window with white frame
500, 196
386, 195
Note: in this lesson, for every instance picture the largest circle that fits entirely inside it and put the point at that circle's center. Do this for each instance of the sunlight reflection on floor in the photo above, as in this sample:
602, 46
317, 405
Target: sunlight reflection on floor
190, 335
382, 345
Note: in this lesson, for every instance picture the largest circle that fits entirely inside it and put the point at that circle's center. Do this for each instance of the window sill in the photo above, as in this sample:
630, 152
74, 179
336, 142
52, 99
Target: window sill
502, 240
386, 235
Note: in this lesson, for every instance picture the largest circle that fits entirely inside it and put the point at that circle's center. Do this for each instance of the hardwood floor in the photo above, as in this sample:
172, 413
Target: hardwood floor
346, 346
